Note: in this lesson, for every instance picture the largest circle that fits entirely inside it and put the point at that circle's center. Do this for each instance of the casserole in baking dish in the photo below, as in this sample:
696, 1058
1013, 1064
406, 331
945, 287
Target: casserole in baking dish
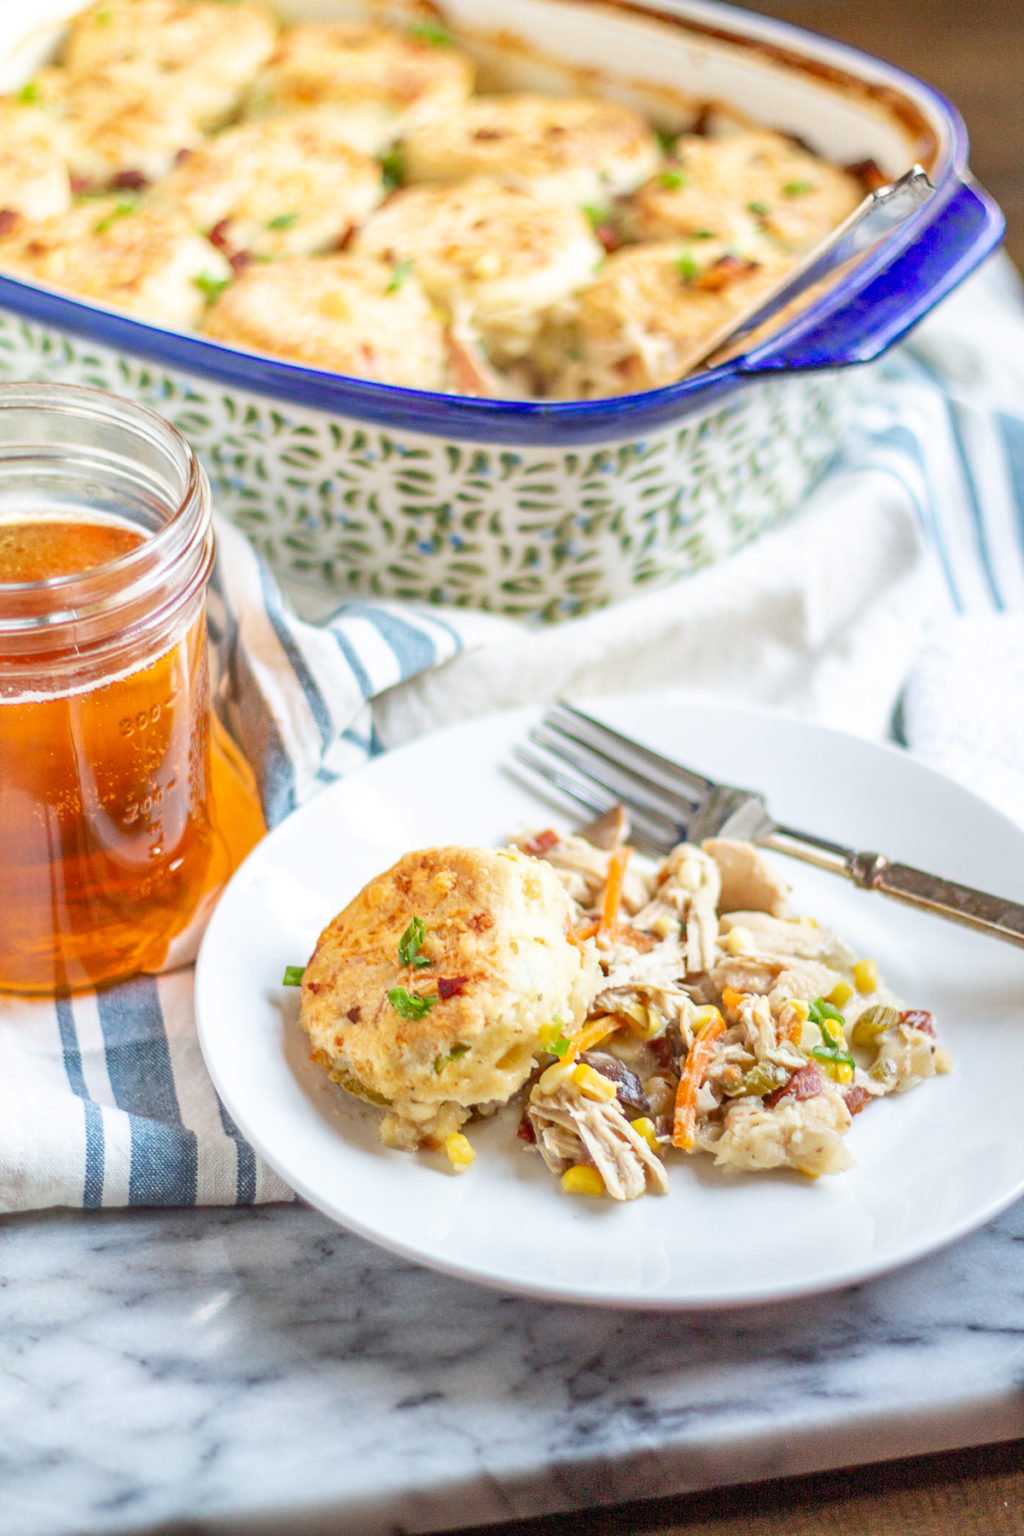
545, 508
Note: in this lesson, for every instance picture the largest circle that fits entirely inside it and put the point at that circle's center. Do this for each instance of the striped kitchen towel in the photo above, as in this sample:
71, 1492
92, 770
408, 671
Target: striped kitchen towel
104, 1099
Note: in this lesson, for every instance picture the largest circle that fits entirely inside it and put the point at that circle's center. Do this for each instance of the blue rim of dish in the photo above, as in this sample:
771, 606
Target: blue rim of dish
889, 290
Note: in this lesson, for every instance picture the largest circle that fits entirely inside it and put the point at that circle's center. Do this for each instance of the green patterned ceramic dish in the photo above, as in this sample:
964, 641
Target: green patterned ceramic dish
537, 509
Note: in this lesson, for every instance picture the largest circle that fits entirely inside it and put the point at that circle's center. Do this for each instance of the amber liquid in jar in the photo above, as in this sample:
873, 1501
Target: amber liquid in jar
116, 818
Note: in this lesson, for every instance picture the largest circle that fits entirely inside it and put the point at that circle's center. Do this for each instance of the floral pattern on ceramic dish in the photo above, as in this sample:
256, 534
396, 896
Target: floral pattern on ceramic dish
542, 533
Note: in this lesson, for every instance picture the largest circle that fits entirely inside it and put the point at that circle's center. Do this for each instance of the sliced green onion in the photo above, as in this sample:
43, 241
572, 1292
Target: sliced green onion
293, 975
209, 286
399, 275
283, 221
411, 942
410, 1004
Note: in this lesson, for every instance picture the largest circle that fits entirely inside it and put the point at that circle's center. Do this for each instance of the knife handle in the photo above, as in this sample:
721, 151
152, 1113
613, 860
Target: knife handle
995, 915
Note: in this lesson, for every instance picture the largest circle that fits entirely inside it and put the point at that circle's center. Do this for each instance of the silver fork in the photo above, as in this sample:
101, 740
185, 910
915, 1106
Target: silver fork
667, 803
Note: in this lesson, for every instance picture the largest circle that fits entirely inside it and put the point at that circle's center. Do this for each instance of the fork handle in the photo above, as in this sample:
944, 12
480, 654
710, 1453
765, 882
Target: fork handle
994, 915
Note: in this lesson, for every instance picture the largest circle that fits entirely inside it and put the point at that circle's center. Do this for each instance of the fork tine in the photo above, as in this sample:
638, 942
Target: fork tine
651, 834
619, 781
594, 734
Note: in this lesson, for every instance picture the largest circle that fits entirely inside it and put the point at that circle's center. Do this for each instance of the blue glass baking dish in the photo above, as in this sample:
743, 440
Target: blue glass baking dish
547, 509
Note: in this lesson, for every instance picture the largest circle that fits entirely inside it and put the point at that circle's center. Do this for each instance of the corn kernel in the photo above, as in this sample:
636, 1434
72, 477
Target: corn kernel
704, 1015
739, 941
838, 1071
592, 1084
460, 1153
553, 1077
645, 1127
801, 1008
582, 1180
865, 976
840, 994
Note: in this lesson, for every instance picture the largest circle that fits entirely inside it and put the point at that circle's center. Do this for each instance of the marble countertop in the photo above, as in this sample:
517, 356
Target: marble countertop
261, 1370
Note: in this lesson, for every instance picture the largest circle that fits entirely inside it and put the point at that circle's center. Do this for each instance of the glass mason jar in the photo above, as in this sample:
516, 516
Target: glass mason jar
110, 852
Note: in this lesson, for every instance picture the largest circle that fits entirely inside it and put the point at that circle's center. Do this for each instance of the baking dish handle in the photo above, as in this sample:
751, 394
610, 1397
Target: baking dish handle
959, 236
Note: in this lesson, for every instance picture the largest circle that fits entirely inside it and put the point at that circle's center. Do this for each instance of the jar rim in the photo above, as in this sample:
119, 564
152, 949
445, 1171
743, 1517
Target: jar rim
93, 597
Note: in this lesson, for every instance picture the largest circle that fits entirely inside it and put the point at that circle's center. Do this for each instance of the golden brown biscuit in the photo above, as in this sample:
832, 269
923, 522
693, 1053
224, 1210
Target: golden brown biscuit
576, 149
351, 314
380, 80
426, 995
115, 250
206, 52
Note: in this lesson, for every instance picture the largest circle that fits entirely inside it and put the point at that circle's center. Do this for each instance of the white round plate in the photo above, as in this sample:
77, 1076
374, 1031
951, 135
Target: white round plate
930, 1165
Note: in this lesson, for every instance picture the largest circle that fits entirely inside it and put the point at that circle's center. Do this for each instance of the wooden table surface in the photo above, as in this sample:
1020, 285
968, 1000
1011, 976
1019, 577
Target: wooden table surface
973, 51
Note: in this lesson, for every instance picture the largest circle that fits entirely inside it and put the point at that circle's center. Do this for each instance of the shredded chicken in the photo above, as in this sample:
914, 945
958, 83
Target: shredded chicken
706, 936
571, 1128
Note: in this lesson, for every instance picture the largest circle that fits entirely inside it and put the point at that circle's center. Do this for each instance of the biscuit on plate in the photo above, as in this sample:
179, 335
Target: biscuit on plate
427, 994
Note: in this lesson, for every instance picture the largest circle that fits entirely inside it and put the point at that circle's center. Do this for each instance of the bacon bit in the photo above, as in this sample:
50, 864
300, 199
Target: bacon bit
804, 1084
918, 1018
450, 986
239, 260
855, 1099
698, 1059
8, 219
723, 272
526, 1132
480, 922
313, 986
218, 235
353, 1014
130, 181
80, 185
540, 843
868, 173
182, 156
609, 237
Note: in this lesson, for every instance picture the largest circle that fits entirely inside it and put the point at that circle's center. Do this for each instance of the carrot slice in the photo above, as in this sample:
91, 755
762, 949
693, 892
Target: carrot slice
613, 888
698, 1059
579, 936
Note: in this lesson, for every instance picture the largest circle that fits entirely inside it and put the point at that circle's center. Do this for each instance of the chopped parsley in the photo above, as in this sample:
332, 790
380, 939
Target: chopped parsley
209, 286
798, 188
703, 234
687, 266
759, 208
119, 210
667, 139
410, 1004
399, 275
293, 975
391, 169
429, 32
597, 216
283, 221
410, 944
670, 180
29, 92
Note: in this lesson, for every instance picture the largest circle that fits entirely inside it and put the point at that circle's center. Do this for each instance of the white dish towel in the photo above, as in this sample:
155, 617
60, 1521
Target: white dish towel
900, 581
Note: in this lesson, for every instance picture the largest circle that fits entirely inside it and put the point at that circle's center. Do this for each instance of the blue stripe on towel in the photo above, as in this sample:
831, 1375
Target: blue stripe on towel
164, 1158
351, 655
296, 660
92, 1180
1011, 431
414, 650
